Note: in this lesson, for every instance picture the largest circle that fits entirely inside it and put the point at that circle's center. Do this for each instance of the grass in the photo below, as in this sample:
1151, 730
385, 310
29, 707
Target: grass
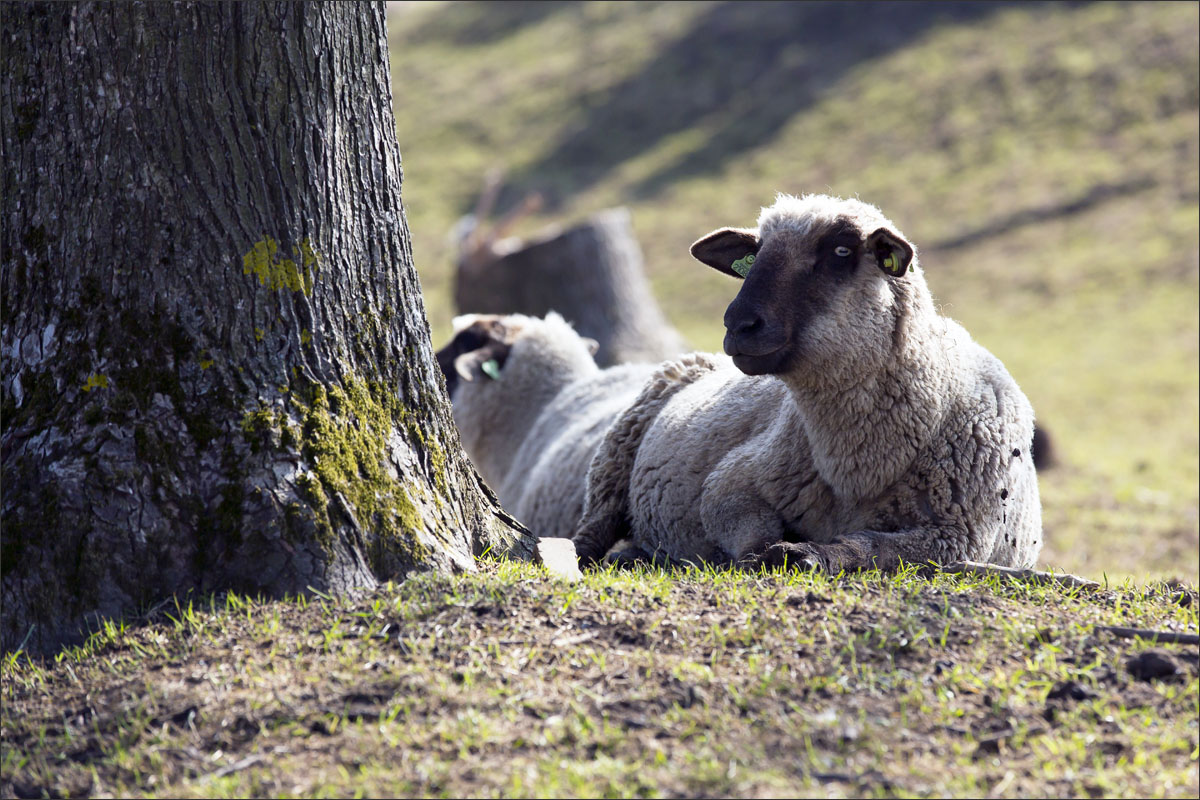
1044, 159
644, 683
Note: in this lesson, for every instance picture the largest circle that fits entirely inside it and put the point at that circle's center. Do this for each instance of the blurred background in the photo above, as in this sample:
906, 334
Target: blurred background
1042, 157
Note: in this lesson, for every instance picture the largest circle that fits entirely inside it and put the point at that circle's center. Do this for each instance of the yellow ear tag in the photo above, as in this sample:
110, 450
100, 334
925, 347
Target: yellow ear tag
742, 265
491, 368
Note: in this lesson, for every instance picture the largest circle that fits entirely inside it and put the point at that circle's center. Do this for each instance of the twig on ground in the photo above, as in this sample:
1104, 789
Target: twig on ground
237, 766
1032, 575
579, 638
1162, 637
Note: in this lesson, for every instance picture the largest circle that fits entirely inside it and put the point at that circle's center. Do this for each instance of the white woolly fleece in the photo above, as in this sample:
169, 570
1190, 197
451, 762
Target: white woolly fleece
900, 438
800, 214
532, 433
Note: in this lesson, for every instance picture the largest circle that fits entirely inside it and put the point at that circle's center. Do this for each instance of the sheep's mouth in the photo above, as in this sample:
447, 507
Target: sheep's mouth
769, 364
756, 355
758, 361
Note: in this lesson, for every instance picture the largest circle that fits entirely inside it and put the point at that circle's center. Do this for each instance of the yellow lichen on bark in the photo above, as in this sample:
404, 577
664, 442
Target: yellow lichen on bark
96, 381
275, 272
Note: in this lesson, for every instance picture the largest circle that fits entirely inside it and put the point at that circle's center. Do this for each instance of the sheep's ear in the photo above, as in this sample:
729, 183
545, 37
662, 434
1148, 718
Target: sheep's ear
481, 347
592, 345
463, 321
487, 360
729, 250
892, 253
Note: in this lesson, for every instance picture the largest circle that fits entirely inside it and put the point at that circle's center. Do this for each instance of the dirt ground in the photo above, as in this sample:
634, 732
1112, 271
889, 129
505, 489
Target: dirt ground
627, 684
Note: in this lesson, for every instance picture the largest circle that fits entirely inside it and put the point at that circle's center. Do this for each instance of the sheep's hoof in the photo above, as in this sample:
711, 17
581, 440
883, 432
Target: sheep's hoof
628, 558
588, 555
792, 555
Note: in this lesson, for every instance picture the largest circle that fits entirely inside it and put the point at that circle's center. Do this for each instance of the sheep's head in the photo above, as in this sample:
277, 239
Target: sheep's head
480, 347
482, 344
816, 276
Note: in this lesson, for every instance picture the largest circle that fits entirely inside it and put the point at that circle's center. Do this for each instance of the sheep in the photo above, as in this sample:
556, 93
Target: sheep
531, 407
853, 426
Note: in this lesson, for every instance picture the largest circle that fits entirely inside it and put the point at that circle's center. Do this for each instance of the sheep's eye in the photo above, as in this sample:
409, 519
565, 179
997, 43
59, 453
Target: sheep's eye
841, 251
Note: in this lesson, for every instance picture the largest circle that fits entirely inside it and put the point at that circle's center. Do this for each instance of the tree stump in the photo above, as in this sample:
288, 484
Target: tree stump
592, 273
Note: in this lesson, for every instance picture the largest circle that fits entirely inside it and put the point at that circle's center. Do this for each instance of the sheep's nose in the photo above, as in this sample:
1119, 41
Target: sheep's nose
741, 324
748, 326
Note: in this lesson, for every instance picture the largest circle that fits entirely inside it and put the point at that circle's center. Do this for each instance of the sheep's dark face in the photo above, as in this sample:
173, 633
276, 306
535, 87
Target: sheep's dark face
484, 344
803, 286
486, 339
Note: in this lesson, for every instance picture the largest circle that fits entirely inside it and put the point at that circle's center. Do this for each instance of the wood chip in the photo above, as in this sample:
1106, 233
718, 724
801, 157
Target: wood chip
558, 556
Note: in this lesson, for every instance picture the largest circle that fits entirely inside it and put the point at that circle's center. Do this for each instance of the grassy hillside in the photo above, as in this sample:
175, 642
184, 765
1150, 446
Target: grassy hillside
1044, 159
629, 684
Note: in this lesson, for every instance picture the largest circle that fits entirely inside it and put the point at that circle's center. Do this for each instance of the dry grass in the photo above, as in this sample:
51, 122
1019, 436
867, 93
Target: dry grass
628, 684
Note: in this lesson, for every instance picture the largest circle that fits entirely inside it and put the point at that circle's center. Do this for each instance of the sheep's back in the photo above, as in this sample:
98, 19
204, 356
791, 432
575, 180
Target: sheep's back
693, 432
545, 486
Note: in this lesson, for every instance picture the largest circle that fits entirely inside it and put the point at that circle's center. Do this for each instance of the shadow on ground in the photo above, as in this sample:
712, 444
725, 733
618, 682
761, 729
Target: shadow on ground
485, 22
743, 70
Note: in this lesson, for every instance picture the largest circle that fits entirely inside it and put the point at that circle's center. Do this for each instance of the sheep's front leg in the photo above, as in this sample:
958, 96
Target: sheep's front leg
739, 522
629, 557
864, 550
605, 519
870, 550
604, 523
606, 504
795, 555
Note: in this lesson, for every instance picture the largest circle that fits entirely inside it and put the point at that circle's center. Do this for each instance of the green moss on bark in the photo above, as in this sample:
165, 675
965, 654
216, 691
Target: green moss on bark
344, 437
437, 456
259, 429
265, 261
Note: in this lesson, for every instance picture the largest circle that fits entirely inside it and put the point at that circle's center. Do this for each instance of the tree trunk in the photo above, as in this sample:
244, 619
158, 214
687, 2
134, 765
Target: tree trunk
217, 371
592, 274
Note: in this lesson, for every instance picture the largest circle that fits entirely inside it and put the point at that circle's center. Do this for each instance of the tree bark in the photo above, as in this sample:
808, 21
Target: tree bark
217, 371
592, 274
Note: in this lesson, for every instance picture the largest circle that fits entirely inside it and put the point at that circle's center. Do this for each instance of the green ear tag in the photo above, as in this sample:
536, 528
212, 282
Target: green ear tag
742, 265
890, 264
491, 368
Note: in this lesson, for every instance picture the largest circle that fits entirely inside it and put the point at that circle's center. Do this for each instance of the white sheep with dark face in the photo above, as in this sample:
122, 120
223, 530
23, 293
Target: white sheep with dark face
855, 426
531, 408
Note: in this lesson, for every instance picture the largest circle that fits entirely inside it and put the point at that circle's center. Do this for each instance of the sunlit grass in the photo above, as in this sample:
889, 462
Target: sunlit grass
1094, 311
629, 683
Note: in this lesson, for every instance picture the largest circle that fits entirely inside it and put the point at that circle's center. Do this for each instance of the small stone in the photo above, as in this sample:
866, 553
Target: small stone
991, 745
1152, 665
1070, 691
